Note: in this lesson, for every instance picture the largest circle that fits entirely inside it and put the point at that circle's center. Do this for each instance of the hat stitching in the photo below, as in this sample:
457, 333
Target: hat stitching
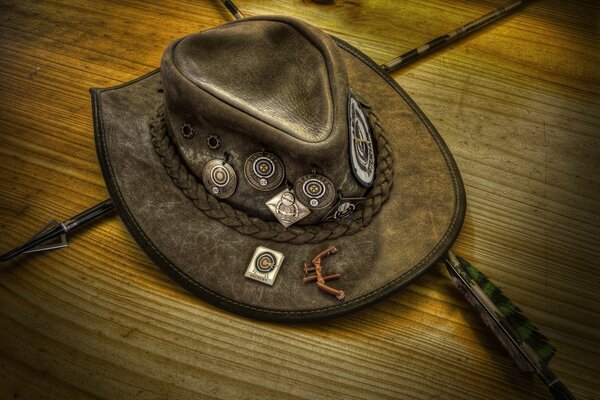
272, 230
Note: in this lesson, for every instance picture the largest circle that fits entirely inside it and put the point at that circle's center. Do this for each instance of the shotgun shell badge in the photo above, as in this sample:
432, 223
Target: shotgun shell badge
264, 265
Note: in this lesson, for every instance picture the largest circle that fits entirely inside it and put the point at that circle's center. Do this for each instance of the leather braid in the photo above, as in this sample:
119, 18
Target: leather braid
273, 230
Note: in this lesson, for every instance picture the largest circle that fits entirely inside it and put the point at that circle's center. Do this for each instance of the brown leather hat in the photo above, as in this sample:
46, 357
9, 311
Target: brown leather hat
259, 144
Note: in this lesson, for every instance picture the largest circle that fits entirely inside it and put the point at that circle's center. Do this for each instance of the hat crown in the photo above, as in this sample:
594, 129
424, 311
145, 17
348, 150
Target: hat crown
275, 79
279, 72
273, 84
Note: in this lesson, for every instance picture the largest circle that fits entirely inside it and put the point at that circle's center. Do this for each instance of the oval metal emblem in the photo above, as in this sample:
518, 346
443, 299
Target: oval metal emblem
362, 153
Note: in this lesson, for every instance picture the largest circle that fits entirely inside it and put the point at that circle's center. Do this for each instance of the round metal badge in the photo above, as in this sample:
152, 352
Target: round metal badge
264, 171
219, 178
315, 191
265, 262
362, 154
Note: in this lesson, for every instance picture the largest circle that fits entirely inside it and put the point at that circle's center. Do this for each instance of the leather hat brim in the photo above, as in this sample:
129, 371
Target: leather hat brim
413, 230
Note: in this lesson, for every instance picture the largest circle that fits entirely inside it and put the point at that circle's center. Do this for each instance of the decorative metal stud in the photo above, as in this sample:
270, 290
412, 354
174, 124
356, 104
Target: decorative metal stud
264, 171
265, 265
286, 208
344, 208
219, 178
188, 130
362, 153
315, 191
213, 141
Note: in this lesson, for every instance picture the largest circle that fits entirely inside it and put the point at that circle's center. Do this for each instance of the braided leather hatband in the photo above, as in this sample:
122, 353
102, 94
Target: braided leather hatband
273, 230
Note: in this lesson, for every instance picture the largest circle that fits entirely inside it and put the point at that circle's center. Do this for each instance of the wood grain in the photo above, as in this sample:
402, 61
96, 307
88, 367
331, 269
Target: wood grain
517, 103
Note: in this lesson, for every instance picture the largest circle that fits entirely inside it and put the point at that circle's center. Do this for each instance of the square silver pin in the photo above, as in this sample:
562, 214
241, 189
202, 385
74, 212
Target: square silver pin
286, 208
265, 265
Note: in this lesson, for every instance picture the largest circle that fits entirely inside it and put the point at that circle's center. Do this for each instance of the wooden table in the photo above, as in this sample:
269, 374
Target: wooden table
517, 104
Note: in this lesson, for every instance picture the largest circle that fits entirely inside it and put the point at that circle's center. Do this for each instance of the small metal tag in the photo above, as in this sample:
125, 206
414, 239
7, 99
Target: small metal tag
344, 208
286, 208
265, 265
